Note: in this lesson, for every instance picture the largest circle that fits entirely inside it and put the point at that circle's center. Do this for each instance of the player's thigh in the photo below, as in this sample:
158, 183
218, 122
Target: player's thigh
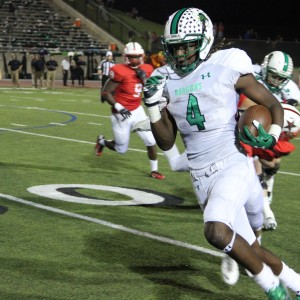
228, 189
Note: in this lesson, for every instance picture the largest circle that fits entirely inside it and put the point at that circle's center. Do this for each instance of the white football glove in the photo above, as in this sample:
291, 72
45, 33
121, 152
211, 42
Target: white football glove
153, 90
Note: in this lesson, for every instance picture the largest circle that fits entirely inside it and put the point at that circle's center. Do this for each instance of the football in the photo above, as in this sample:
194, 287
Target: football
256, 112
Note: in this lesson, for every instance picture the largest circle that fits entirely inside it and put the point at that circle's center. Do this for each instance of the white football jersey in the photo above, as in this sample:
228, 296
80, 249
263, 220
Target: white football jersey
204, 105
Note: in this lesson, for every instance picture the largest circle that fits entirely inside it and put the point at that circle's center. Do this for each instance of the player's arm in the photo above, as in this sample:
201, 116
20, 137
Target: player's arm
107, 94
163, 125
258, 93
107, 91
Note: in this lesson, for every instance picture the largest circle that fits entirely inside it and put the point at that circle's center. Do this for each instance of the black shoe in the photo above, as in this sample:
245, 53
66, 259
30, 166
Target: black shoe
3, 209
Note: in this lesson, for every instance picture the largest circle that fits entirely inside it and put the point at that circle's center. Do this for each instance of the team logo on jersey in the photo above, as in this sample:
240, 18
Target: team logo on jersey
192, 88
204, 76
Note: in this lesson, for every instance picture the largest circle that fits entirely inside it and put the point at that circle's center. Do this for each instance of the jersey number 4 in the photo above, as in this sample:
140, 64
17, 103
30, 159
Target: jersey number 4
193, 114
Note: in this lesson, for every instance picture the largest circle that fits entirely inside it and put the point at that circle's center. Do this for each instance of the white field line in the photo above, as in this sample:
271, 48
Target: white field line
63, 139
19, 125
116, 226
59, 124
91, 123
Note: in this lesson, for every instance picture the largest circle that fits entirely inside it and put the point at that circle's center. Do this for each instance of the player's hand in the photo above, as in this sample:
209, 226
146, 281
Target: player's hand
125, 113
153, 90
263, 140
141, 74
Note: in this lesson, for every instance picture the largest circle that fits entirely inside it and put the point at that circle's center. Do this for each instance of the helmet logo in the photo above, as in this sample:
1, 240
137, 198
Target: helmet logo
290, 125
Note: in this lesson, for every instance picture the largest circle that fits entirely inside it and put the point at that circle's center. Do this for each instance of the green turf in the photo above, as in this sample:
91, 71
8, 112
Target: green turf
49, 255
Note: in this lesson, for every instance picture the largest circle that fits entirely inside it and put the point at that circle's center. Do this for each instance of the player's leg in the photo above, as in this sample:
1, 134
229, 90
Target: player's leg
147, 137
224, 209
121, 131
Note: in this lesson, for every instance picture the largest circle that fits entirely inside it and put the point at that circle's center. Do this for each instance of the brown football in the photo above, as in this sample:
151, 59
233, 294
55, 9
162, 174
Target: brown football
256, 112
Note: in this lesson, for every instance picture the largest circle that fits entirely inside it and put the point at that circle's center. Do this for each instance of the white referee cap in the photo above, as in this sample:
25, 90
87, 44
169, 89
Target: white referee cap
108, 53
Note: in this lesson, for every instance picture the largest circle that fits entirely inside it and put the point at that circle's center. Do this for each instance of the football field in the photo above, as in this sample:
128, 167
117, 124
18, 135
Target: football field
84, 227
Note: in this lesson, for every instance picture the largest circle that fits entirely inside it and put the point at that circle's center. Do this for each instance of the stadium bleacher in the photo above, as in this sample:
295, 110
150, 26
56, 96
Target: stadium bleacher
35, 24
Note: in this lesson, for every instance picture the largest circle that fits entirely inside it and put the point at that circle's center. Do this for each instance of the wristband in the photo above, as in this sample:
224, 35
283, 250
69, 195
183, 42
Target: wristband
118, 106
275, 131
154, 113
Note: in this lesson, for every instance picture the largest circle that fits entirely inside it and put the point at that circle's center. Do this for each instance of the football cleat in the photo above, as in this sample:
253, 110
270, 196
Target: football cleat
279, 293
3, 209
270, 224
157, 175
98, 146
230, 270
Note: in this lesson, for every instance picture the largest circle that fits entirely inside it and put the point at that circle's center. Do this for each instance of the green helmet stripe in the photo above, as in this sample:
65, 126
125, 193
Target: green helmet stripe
174, 24
286, 62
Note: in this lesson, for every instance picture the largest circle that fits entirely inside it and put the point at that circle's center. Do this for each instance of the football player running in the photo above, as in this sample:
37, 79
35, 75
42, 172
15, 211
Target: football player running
123, 92
202, 87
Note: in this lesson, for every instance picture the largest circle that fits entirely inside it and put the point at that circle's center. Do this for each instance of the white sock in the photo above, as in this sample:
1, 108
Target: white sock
154, 165
178, 162
267, 210
270, 185
266, 279
290, 278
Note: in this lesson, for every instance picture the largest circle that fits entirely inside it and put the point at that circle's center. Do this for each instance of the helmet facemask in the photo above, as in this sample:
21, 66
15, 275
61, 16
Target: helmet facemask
275, 82
134, 61
184, 57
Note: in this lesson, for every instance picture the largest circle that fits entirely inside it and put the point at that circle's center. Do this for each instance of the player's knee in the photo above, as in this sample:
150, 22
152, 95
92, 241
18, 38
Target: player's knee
256, 220
272, 171
217, 234
121, 149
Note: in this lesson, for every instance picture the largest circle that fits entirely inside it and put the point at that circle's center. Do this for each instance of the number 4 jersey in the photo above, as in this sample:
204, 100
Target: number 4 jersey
204, 105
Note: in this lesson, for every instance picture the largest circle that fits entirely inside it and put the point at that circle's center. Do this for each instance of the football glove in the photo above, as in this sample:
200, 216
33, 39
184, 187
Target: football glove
125, 113
153, 90
264, 140
141, 74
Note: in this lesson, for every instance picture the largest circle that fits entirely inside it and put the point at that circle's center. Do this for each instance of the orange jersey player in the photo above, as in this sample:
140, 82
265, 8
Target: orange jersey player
123, 91
130, 87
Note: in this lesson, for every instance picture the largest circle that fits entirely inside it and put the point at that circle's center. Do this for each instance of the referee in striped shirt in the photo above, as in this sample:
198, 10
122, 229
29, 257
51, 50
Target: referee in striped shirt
103, 69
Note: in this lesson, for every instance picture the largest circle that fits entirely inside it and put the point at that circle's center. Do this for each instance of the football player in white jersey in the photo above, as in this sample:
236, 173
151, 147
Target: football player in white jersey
276, 74
203, 89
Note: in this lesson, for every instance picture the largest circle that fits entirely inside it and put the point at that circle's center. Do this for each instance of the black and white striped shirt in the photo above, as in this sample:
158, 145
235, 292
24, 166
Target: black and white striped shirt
105, 65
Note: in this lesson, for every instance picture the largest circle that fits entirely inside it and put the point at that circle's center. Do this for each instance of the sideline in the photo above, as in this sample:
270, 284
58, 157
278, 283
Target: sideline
115, 226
